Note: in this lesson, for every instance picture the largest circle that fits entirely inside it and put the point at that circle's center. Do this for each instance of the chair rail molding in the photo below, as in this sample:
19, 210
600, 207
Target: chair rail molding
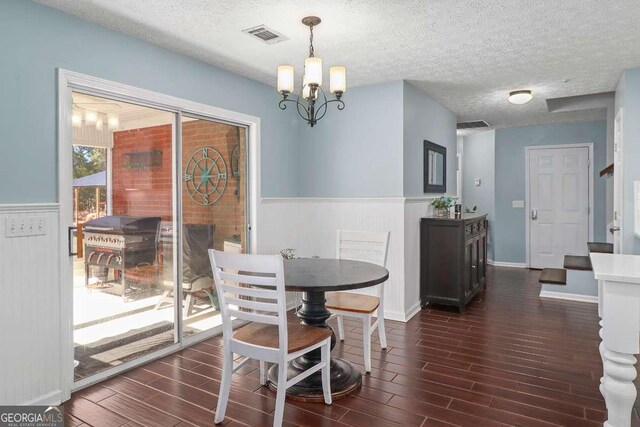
30, 308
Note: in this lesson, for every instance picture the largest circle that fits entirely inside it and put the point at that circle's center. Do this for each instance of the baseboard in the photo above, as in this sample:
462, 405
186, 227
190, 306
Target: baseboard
569, 297
394, 315
413, 311
402, 317
506, 264
51, 399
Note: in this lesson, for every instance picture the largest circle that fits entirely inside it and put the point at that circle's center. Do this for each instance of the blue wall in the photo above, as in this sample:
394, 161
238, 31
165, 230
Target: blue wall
36, 40
628, 98
356, 152
359, 152
479, 162
509, 230
424, 119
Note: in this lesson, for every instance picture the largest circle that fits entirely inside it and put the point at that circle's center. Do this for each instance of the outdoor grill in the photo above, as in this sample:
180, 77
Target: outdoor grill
120, 243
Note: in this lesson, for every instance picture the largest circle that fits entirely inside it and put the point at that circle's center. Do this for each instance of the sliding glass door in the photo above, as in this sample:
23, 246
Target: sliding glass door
123, 200
153, 190
214, 201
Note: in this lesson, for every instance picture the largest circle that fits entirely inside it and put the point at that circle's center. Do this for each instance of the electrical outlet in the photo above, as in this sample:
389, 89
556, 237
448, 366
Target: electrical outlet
22, 226
517, 203
478, 182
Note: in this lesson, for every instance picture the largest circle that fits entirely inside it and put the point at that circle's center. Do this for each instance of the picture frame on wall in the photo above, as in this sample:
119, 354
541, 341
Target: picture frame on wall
435, 168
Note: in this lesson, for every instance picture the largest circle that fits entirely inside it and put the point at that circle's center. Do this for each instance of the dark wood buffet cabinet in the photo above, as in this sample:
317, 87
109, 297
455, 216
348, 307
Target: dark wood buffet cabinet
453, 259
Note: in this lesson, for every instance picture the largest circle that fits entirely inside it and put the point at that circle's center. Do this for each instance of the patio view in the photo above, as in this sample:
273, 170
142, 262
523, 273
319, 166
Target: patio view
124, 229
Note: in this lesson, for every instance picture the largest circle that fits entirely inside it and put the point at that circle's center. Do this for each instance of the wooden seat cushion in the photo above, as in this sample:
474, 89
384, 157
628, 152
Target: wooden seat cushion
299, 336
355, 303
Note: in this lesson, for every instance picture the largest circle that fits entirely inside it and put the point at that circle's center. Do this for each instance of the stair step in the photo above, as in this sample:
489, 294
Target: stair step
605, 248
556, 276
573, 262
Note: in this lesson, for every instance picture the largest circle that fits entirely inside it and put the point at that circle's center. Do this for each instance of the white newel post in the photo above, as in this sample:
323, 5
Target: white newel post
600, 333
621, 335
619, 307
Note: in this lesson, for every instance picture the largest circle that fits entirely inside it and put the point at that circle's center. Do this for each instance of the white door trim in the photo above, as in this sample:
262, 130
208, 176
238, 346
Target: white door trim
68, 81
618, 181
527, 209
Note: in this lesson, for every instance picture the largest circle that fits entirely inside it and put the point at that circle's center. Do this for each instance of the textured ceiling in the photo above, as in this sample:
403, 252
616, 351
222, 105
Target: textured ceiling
467, 54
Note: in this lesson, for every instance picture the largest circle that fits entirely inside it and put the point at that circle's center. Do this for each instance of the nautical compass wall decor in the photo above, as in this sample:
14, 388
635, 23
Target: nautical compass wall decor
205, 176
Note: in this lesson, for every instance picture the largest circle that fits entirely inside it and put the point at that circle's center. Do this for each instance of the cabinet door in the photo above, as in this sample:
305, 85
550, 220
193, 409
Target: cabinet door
475, 257
469, 270
482, 257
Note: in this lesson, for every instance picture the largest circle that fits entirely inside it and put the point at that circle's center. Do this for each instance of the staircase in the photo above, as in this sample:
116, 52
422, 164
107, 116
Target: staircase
575, 281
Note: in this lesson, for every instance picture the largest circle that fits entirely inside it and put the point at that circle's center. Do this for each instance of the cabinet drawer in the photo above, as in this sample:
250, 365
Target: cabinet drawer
473, 228
469, 229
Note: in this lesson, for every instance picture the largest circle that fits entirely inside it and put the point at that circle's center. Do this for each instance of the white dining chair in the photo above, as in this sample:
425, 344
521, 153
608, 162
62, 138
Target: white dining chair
252, 288
370, 247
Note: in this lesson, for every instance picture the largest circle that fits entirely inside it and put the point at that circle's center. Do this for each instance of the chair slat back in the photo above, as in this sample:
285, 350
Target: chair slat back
368, 246
240, 280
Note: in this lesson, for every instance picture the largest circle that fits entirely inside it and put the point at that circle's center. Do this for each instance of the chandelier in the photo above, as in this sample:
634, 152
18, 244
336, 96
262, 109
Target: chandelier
311, 103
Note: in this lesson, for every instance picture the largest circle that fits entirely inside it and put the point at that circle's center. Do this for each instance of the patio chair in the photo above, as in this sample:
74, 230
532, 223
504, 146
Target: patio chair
197, 239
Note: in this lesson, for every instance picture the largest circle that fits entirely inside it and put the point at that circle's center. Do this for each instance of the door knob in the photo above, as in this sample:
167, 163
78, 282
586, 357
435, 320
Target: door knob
534, 214
614, 229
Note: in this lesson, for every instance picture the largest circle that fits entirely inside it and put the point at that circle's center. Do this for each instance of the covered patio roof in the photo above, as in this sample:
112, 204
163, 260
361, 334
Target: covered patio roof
98, 179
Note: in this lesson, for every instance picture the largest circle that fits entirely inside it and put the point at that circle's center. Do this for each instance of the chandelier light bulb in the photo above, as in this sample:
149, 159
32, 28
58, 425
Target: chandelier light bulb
313, 70
285, 78
306, 91
337, 80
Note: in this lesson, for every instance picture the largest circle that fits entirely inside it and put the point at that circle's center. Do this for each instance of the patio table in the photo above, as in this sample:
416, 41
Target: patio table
314, 277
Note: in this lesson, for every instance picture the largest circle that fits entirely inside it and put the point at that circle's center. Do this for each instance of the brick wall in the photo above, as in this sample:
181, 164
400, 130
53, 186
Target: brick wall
148, 191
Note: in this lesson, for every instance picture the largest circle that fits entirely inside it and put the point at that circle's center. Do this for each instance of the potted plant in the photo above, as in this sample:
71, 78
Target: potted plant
443, 204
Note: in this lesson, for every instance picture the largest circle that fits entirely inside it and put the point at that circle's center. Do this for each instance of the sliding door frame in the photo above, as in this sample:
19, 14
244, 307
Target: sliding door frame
68, 82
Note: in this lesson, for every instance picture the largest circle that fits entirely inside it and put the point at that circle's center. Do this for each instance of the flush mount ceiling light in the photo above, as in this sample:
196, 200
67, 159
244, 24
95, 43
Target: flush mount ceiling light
312, 83
519, 97
87, 113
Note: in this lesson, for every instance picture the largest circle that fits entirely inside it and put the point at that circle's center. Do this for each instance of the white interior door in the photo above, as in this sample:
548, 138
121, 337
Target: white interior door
616, 228
559, 205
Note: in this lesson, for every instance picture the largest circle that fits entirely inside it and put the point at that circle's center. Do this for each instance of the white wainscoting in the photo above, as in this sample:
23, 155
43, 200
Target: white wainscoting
309, 225
415, 208
30, 333
30, 307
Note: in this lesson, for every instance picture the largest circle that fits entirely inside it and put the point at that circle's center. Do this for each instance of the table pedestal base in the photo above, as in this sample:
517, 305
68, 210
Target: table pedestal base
345, 378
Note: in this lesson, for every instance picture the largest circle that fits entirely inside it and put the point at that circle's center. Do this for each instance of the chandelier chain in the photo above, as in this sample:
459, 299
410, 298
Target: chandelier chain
311, 41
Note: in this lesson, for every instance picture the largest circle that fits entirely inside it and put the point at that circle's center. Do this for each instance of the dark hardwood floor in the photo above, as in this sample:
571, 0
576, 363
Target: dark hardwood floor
513, 359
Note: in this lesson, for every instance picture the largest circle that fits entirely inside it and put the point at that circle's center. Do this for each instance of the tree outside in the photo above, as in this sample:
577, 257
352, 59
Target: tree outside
88, 161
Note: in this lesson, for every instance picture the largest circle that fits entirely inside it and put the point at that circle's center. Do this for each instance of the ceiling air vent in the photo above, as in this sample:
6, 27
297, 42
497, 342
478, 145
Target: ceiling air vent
476, 124
265, 34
